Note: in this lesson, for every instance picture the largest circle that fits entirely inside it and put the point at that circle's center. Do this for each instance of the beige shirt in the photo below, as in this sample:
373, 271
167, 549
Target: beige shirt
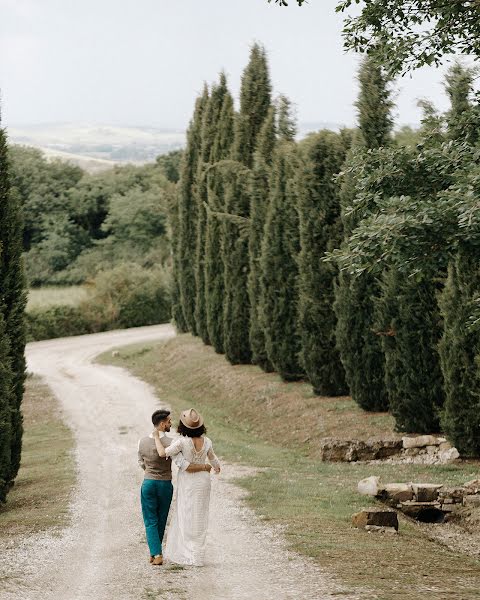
155, 466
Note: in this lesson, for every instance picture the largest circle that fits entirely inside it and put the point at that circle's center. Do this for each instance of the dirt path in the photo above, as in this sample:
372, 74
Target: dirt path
102, 555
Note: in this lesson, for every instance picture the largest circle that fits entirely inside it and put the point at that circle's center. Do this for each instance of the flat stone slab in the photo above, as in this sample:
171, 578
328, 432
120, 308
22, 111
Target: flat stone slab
421, 441
375, 516
370, 486
426, 492
472, 500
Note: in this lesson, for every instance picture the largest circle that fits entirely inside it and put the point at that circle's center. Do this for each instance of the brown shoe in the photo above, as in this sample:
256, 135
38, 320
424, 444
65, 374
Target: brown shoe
151, 559
157, 560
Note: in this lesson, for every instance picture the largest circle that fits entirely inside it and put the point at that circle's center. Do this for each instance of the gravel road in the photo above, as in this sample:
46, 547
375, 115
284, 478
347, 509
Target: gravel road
102, 555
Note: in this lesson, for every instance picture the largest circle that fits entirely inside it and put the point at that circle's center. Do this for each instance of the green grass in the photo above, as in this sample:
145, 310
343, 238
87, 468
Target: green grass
40, 497
255, 419
46, 297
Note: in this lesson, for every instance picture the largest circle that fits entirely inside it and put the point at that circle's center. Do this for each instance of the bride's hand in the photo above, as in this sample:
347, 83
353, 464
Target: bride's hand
217, 470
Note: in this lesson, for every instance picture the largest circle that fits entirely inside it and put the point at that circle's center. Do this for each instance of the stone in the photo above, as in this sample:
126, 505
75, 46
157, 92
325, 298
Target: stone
472, 501
375, 516
335, 450
397, 492
420, 441
411, 451
445, 446
379, 529
448, 456
474, 485
432, 449
414, 509
426, 492
370, 486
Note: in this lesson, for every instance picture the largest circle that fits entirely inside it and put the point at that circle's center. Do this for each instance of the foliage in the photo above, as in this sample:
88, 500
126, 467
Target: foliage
260, 192
406, 35
125, 296
320, 231
279, 269
188, 213
255, 101
215, 182
236, 305
12, 325
359, 347
460, 352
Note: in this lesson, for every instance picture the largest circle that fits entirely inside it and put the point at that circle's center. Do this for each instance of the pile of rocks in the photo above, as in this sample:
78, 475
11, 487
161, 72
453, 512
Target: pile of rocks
428, 502
424, 449
429, 449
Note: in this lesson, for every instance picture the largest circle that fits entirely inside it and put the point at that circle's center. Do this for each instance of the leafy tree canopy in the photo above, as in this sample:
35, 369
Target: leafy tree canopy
407, 35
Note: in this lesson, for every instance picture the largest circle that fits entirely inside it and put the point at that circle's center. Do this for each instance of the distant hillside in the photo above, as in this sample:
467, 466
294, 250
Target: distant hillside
96, 147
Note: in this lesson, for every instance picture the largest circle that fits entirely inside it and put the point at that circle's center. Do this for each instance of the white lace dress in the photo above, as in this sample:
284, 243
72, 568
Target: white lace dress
186, 539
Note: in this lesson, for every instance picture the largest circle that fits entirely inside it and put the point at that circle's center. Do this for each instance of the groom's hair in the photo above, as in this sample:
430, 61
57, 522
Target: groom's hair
159, 415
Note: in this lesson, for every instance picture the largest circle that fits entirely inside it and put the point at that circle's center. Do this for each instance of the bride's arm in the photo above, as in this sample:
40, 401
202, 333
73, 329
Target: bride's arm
213, 460
158, 443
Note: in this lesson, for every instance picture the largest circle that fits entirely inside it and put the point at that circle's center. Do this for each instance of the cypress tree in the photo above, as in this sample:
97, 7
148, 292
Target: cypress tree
258, 210
320, 232
236, 306
374, 105
287, 125
460, 352
255, 101
409, 326
279, 271
188, 213
459, 86
177, 312
360, 349
214, 266
12, 329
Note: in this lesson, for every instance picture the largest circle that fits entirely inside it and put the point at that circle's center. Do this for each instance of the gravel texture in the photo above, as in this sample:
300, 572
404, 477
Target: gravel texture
102, 555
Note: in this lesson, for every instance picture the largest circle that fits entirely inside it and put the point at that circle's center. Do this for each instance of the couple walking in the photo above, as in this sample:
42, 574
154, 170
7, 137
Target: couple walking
193, 454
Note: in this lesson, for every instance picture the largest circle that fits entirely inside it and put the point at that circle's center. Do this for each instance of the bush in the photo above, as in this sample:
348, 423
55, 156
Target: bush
57, 321
126, 296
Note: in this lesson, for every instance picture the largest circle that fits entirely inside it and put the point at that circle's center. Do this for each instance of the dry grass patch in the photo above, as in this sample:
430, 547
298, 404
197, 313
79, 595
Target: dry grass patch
40, 497
256, 419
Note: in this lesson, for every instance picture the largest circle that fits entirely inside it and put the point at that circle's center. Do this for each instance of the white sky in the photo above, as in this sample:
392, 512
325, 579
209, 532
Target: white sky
141, 62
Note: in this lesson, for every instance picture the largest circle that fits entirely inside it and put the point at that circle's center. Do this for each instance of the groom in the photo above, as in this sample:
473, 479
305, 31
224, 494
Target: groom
157, 490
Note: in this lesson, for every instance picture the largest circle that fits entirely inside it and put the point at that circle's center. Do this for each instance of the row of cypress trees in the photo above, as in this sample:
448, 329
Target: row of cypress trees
256, 212
257, 220
12, 326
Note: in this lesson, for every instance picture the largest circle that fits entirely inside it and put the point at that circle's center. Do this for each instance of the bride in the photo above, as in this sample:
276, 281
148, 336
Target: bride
186, 539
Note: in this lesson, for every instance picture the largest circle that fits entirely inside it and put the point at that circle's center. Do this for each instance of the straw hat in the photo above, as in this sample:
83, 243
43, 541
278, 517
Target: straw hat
191, 418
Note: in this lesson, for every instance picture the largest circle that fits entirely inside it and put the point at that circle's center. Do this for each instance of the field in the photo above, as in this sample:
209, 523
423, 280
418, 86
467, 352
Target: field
45, 297
255, 419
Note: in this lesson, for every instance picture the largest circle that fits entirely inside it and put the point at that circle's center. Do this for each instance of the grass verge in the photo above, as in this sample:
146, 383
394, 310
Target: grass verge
254, 418
39, 499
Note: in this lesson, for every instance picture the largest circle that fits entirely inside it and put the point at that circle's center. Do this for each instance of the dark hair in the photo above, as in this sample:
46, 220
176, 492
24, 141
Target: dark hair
184, 430
160, 415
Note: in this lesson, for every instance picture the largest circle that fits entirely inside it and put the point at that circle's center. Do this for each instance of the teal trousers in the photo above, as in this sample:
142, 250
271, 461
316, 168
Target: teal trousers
155, 497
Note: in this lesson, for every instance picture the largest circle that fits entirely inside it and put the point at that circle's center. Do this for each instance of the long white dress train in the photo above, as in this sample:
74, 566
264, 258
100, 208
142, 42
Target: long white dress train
186, 538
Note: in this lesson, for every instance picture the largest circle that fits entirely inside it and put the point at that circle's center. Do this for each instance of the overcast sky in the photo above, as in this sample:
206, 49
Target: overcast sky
141, 62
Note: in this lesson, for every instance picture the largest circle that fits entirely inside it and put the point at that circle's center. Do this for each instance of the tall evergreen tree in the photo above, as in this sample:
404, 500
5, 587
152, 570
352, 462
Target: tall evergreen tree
320, 232
374, 105
460, 352
459, 87
287, 124
255, 101
177, 311
258, 210
210, 135
188, 213
12, 307
279, 270
360, 349
236, 306
214, 267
